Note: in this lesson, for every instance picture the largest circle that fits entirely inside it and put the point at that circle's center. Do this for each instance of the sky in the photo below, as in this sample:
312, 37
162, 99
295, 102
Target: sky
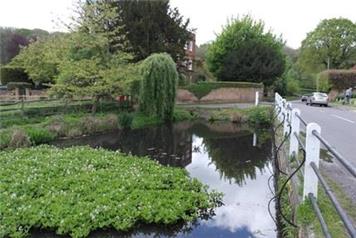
291, 19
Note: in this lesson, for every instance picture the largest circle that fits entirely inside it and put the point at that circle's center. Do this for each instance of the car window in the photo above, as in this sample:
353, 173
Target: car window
320, 94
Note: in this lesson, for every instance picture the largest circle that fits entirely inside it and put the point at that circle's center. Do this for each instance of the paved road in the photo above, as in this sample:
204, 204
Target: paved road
338, 126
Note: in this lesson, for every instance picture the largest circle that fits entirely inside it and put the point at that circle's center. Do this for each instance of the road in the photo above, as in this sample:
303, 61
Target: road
338, 127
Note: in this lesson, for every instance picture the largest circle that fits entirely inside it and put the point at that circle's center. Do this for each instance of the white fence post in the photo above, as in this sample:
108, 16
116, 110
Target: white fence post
294, 145
312, 149
257, 98
285, 111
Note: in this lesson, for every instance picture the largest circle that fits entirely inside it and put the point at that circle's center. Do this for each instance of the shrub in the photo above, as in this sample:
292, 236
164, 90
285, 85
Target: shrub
90, 124
13, 74
125, 120
158, 89
5, 138
78, 190
259, 116
39, 135
182, 114
338, 79
111, 121
74, 132
19, 139
204, 88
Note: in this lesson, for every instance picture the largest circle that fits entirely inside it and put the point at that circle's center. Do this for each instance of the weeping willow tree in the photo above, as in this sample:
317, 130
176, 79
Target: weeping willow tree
159, 85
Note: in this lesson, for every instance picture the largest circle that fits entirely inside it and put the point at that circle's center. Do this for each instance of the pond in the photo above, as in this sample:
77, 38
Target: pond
228, 158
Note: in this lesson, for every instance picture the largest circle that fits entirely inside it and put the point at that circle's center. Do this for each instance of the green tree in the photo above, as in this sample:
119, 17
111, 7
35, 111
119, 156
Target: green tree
153, 27
40, 59
331, 44
159, 85
245, 52
93, 63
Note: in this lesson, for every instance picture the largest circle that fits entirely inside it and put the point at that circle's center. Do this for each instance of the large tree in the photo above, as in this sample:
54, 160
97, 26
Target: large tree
153, 27
332, 44
244, 51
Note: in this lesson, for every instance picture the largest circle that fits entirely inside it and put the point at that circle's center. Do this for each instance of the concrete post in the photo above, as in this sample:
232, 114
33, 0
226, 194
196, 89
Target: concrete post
294, 146
312, 149
257, 98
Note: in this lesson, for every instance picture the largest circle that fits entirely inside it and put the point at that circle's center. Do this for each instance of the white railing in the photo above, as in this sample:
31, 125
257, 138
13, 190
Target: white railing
291, 119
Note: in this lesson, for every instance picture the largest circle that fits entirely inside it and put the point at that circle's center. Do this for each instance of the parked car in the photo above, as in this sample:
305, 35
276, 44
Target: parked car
304, 98
321, 99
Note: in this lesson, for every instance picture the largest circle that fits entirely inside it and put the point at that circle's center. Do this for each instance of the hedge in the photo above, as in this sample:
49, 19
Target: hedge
337, 79
204, 88
13, 74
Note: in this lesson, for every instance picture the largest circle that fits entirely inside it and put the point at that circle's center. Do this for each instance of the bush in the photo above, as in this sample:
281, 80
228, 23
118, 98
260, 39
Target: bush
204, 88
159, 85
125, 120
337, 79
182, 114
19, 139
39, 135
259, 116
78, 190
5, 138
13, 74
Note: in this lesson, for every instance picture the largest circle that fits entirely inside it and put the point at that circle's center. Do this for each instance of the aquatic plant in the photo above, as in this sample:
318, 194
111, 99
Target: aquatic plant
79, 189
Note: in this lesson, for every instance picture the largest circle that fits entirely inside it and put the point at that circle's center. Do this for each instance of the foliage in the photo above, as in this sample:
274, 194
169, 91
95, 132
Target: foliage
232, 115
141, 121
153, 27
202, 89
337, 79
13, 39
159, 85
289, 83
125, 120
244, 52
307, 218
79, 189
40, 59
181, 114
18, 139
259, 116
13, 74
331, 43
39, 135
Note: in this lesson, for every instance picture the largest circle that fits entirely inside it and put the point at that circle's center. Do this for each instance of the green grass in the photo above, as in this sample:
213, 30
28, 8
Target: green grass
204, 88
44, 129
79, 189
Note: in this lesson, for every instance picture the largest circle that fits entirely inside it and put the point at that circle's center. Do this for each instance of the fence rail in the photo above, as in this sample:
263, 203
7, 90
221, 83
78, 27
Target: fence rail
291, 119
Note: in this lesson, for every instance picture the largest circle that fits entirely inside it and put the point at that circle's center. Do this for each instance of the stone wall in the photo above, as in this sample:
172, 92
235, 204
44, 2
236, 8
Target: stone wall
220, 95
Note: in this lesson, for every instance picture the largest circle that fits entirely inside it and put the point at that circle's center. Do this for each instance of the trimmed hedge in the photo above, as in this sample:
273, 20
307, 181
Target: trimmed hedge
13, 74
204, 88
337, 79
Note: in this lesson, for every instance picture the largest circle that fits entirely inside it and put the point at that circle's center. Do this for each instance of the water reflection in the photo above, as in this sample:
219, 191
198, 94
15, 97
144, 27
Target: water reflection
220, 155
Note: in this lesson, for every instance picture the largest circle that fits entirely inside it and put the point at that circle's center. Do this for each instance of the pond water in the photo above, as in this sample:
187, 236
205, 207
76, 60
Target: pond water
228, 158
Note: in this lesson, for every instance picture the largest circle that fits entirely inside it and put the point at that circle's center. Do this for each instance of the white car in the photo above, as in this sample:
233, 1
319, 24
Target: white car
321, 99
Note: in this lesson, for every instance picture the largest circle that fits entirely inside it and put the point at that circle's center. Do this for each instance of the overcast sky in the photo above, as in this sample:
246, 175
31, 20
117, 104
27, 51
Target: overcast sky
293, 19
